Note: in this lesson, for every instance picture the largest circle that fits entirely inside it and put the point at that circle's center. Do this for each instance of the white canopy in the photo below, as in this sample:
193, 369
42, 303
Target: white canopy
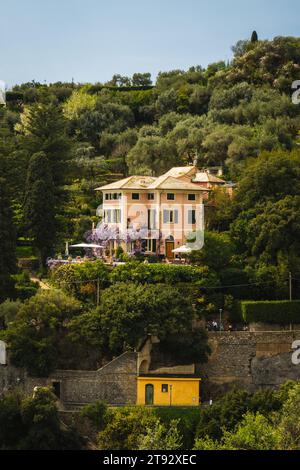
86, 245
182, 249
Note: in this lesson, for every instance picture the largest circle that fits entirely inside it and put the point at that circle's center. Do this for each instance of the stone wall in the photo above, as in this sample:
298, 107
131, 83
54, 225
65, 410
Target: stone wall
248, 359
114, 383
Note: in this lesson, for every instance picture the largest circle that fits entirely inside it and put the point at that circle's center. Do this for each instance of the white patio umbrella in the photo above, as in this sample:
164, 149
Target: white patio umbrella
86, 245
182, 249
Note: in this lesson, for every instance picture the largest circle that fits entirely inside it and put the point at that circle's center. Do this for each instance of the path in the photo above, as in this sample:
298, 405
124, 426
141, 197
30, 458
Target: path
42, 284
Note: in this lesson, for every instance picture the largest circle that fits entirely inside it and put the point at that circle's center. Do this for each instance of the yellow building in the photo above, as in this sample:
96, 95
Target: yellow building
168, 390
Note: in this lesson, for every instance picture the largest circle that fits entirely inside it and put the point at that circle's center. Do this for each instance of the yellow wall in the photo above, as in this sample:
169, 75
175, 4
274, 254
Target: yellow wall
184, 391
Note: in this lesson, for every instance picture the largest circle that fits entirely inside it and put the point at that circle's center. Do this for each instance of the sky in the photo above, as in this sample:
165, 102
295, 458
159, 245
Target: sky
91, 40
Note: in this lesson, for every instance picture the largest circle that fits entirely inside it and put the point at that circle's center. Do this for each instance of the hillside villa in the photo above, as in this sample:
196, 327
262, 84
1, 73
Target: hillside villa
164, 211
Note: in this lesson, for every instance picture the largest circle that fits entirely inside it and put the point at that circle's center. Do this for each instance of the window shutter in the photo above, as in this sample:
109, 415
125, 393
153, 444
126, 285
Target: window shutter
166, 216
176, 216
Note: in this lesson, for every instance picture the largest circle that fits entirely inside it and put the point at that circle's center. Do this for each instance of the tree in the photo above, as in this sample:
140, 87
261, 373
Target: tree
255, 432
139, 310
37, 337
161, 437
12, 428
44, 130
216, 253
33, 423
39, 206
96, 413
254, 37
228, 411
124, 428
141, 79
8, 312
151, 155
289, 426
276, 229
7, 244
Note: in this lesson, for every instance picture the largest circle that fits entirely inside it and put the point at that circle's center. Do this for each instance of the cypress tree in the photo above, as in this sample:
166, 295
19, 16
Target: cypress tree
254, 37
39, 206
7, 244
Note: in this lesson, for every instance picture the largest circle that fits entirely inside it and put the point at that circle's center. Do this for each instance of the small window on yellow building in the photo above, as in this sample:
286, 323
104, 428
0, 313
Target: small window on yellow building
164, 388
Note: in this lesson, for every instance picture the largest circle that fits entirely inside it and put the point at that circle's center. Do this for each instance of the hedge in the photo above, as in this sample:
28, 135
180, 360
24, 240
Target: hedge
274, 311
153, 273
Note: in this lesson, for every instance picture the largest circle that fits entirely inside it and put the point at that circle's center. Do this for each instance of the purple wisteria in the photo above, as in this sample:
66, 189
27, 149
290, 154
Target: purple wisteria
106, 232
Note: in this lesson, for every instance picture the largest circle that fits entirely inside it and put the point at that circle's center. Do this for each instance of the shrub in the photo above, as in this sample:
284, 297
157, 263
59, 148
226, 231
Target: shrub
161, 437
187, 419
281, 311
25, 292
228, 411
75, 278
125, 427
36, 337
8, 312
33, 423
95, 413
153, 273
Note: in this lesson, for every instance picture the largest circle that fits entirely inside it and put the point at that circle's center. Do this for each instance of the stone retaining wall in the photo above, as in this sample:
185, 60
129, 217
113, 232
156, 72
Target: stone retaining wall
248, 359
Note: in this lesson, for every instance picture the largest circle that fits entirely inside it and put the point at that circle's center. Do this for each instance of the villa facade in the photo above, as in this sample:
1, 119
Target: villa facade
163, 210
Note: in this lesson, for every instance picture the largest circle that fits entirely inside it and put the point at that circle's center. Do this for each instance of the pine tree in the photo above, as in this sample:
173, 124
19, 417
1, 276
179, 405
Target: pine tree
39, 206
44, 127
7, 244
254, 37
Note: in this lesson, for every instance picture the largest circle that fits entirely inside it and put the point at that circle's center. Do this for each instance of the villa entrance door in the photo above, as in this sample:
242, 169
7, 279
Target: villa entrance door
169, 248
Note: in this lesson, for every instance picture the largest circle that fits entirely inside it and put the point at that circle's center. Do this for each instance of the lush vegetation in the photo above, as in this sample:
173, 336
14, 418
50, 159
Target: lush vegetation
282, 312
70, 138
28, 423
59, 142
264, 420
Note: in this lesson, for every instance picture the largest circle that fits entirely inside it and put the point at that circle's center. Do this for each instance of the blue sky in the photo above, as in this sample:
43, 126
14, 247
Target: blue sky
90, 40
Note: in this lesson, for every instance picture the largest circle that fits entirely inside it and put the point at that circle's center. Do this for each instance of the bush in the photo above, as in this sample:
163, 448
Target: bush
95, 413
187, 419
125, 427
25, 292
8, 312
32, 423
75, 278
228, 411
153, 273
281, 311
36, 337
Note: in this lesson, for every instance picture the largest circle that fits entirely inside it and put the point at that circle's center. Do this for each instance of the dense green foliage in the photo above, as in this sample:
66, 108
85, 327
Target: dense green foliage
161, 273
256, 430
33, 423
59, 142
39, 200
7, 244
282, 312
229, 410
128, 312
81, 279
37, 334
